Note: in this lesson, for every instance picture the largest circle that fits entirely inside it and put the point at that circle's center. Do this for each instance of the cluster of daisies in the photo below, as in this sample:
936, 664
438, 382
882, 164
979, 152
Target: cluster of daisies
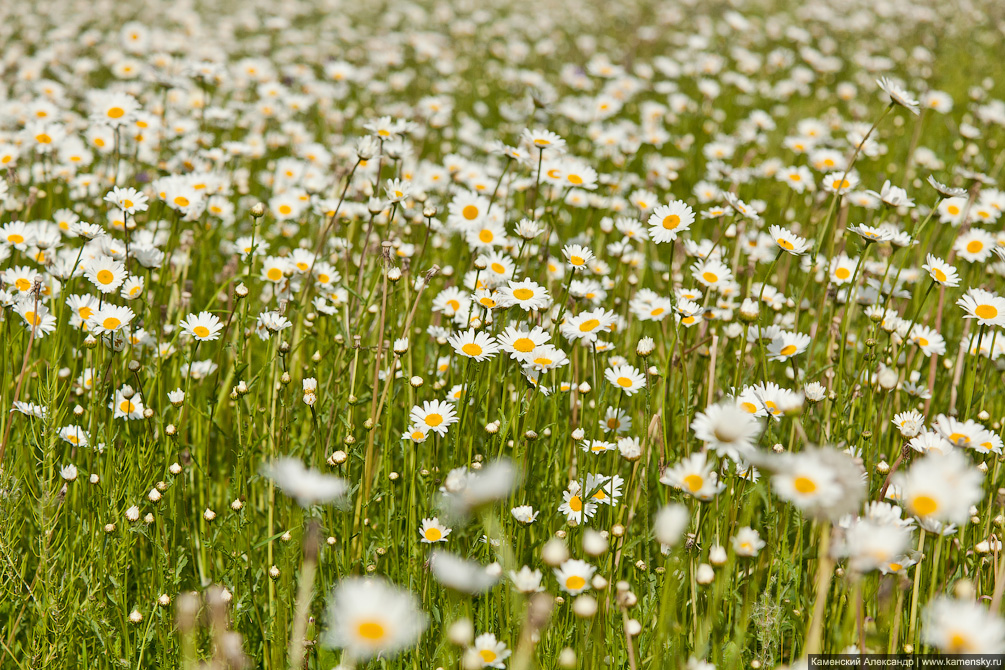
606, 333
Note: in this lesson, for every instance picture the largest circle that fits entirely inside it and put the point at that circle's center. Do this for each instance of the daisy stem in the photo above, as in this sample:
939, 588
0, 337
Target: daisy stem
917, 587
973, 370
825, 569
848, 308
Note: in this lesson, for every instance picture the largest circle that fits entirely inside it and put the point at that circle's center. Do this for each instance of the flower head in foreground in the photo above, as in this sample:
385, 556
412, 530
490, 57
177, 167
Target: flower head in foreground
963, 627
371, 616
307, 487
898, 96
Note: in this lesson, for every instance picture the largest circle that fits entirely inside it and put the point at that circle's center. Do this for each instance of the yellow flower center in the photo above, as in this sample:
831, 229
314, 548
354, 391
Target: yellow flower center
371, 630
624, 382
694, 482
788, 350
575, 179
523, 294
105, 276
804, 485
498, 268
588, 325
524, 345
285, 210
575, 582
14, 238
127, 407
181, 201
22, 284
710, 277
434, 420
433, 534
470, 212
111, 323
116, 113
924, 505
975, 246
486, 236
986, 311
785, 244
274, 274
670, 222
938, 275
201, 331
472, 349
575, 504
487, 655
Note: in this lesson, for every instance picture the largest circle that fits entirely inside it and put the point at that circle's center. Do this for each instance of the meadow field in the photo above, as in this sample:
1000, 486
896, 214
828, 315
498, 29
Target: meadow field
553, 334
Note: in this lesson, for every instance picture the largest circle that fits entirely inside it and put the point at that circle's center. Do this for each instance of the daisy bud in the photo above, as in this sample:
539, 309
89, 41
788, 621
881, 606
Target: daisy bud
78, 411
174, 469
148, 519
653, 371
170, 430
90, 342
154, 495
594, 543
964, 589
274, 572
135, 616
133, 513
237, 505
340, 457
94, 479
717, 555
554, 552
242, 387
645, 346
705, 574
109, 527
429, 211
585, 388
461, 632
286, 378
598, 583
633, 627
258, 210
584, 606
368, 424
209, 514
492, 428
567, 658
394, 274
164, 600
286, 537
887, 378
148, 413
618, 530
578, 434
331, 541
882, 467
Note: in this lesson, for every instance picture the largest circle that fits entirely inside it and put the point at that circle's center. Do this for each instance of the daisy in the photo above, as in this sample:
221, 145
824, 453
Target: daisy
747, 542
306, 486
963, 627
370, 616
105, 273
547, 358
788, 241
786, 345
525, 514
987, 307
129, 200
929, 341
204, 327
577, 256
694, 476
541, 139
898, 96
109, 319
490, 651
526, 294
127, 407
416, 434
807, 481
574, 507
588, 325
628, 378
434, 415
940, 487
527, 580
36, 319
668, 221
870, 234
522, 344
274, 269
975, 245
728, 427
472, 344
840, 182
711, 273
433, 531
617, 420
941, 272
607, 490
75, 435
574, 576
